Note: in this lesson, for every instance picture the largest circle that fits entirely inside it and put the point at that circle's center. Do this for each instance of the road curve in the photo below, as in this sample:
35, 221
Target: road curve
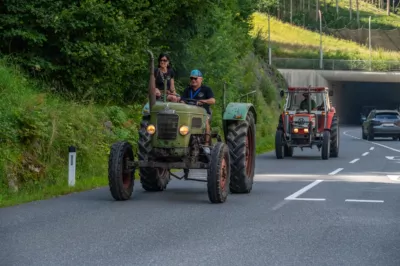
302, 211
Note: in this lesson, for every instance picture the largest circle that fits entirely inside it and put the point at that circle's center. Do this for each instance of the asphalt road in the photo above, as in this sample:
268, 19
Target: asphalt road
302, 211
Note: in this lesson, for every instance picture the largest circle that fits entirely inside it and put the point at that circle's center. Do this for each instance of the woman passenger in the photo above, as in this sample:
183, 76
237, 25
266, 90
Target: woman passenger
165, 73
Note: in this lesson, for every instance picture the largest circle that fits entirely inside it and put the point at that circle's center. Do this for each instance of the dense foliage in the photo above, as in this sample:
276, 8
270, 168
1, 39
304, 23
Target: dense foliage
95, 49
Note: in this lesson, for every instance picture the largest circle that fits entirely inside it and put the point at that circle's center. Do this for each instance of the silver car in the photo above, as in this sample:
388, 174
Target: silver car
381, 123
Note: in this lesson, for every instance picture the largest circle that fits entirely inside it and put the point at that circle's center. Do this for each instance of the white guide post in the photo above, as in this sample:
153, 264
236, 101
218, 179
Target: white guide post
71, 166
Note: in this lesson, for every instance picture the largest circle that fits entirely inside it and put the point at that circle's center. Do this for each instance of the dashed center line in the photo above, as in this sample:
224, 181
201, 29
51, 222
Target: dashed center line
365, 153
355, 160
372, 148
336, 171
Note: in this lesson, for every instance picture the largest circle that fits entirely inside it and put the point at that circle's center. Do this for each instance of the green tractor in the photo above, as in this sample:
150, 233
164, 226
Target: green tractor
172, 136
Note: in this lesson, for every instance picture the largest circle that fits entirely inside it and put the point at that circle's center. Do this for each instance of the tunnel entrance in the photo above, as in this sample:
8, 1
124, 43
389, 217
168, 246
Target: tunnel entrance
350, 97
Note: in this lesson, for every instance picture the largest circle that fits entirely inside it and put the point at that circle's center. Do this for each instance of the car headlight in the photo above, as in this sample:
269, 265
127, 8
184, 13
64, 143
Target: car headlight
151, 129
184, 130
306, 130
295, 130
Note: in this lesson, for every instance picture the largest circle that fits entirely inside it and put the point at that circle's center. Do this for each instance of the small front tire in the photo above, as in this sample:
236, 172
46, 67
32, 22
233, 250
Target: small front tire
120, 176
218, 175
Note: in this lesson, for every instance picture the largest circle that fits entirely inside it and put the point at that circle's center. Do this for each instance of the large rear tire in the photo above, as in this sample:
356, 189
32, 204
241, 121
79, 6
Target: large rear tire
325, 150
218, 175
120, 177
335, 137
279, 145
152, 179
241, 140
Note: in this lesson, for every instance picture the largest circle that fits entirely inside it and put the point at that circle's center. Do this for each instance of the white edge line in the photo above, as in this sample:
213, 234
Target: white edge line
355, 160
372, 148
358, 200
384, 146
365, 153
304, 189
336, 171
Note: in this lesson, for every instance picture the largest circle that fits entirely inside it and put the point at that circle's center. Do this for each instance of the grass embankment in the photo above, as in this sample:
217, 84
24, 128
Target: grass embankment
37, 128
290, 41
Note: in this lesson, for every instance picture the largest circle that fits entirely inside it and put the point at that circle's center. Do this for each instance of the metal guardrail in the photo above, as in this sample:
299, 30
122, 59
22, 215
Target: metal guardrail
335, 64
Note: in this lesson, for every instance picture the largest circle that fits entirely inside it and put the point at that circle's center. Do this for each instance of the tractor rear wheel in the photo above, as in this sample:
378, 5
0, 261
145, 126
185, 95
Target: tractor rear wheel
335, 139
326, 145
241, 140
218, 175
120, 177
152, 179
279, 145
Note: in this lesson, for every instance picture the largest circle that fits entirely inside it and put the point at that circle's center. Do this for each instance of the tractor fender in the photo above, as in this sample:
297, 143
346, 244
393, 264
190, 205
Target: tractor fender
237, 112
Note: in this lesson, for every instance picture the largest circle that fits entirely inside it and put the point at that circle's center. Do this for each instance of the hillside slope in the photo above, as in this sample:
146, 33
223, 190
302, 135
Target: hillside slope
342, 23
289, 41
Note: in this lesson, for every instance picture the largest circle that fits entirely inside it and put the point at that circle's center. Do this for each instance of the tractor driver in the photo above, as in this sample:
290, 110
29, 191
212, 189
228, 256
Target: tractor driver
304, 103
204, 96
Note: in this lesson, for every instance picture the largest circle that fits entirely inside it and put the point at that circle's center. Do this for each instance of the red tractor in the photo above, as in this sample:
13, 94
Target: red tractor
308, 119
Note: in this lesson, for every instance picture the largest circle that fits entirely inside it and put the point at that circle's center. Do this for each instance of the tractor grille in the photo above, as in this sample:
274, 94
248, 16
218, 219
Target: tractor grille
302, 121
167, 126
196, 122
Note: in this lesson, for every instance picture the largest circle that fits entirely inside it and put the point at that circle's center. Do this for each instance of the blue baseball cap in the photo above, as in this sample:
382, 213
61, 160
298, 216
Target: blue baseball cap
196, 73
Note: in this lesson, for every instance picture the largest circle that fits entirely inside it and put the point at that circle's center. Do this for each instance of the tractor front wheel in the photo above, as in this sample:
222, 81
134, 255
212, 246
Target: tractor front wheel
279, 144
326, 145
241, 140
288, 151
218, 175
120, 176
152, 179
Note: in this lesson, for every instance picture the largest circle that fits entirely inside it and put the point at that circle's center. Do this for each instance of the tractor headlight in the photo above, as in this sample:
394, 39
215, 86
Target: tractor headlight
184, 130
306, 130
151, 129
295, 130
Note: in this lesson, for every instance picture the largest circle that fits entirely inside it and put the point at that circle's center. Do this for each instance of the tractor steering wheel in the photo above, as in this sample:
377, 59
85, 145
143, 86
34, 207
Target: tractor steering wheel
190, 101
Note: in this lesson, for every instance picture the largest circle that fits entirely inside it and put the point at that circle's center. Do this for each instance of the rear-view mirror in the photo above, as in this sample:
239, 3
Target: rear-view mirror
282, 93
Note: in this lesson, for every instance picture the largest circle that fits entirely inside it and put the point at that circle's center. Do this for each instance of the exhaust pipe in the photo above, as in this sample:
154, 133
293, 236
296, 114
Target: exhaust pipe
152, 82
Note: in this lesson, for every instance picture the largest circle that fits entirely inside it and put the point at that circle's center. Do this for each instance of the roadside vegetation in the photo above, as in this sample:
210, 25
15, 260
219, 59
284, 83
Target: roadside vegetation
76, 74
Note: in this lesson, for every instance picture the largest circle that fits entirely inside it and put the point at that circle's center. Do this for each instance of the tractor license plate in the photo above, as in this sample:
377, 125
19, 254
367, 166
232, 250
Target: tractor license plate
388, 125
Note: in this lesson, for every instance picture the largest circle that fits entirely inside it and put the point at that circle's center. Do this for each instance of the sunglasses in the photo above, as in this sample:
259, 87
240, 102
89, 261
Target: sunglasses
192, 78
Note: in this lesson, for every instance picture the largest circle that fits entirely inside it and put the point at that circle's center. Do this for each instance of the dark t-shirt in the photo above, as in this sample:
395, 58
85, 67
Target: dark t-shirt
160, 77
202, 93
